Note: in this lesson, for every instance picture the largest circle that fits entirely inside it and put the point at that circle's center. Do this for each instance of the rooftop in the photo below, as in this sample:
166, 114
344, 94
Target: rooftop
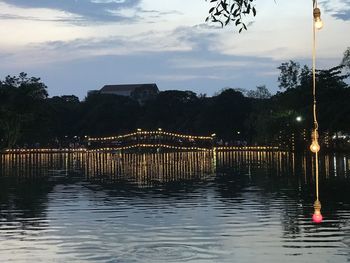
126, 87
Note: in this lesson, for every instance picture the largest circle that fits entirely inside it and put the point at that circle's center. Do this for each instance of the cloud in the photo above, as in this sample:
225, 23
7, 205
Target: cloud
4, 56
84, 10
221, 62
201, 36
150, 41
86, 73
34, 18
339, 9
82, 48
181, 39
185, 77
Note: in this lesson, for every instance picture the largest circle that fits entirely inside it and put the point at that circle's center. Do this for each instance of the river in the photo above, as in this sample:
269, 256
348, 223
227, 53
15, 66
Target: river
173, 207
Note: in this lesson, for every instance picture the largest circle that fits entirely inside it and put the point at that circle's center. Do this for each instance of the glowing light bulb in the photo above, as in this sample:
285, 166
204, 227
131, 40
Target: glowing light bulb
317, 216
317, 19
318, 24
315, 147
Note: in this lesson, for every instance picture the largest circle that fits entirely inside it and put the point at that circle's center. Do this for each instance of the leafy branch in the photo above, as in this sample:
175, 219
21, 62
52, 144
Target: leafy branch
225, 12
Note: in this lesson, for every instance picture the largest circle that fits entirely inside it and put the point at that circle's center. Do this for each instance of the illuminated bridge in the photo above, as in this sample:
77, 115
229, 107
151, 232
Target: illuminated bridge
152, 140
161, 140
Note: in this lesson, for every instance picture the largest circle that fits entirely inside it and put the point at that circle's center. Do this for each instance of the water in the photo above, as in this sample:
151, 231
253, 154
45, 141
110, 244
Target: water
172, 207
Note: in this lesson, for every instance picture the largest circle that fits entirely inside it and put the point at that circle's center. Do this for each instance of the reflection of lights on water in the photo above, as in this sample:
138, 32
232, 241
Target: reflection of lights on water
171, 165
345, 167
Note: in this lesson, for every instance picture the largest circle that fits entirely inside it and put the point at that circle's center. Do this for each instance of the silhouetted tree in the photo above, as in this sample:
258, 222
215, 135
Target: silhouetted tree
104, 114
261, 92
289, 75
346, 58
20, 100
172, 109
231, 12
27, 116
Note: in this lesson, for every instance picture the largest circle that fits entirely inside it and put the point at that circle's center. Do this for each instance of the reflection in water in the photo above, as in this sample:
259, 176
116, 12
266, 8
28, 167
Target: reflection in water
145, 168
228, 207
149, 168
36, 165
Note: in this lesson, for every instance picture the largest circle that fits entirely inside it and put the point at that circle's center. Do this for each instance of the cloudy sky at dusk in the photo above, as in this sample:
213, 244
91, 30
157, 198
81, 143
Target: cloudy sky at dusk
81, 45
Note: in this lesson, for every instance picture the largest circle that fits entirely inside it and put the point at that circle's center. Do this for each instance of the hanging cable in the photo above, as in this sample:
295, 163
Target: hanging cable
315, 147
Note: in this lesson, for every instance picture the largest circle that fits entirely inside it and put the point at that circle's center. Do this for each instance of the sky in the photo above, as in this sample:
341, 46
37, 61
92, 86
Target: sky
79, 45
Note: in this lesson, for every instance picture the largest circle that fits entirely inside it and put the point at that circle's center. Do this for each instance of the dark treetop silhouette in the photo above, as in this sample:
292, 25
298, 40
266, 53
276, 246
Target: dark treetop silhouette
29, 117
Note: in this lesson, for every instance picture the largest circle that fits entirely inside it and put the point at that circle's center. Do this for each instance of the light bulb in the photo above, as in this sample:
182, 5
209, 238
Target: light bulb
315, 147
317, 18
317, 216
318, 24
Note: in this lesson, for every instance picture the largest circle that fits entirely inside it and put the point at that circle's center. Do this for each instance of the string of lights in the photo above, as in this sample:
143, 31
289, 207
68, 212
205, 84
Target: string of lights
139, 132
315, 147
151, 146
45, 150
247, 148
156, 146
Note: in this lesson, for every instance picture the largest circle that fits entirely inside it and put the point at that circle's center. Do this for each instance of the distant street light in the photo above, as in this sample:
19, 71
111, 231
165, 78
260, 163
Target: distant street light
299, 119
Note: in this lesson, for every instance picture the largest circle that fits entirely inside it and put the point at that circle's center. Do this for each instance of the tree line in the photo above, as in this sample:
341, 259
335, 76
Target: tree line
28, 117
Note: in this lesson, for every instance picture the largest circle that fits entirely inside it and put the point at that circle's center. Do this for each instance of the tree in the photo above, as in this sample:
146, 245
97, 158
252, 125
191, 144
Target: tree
106, 114
261, 92
333, 96
20, 98
346, 58
172, 110
289, 75
225, 114
31, 87
225, 12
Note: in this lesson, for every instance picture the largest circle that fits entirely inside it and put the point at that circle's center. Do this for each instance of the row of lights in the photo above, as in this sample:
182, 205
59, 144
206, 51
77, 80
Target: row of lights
222, 148
248, 148
45, 150
159, 132
151, 146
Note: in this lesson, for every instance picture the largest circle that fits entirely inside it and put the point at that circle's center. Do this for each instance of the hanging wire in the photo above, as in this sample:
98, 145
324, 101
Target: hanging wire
315, 132
317, 216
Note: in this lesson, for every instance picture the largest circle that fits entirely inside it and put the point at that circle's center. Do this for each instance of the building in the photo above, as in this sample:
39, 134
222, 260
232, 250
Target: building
139, 92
